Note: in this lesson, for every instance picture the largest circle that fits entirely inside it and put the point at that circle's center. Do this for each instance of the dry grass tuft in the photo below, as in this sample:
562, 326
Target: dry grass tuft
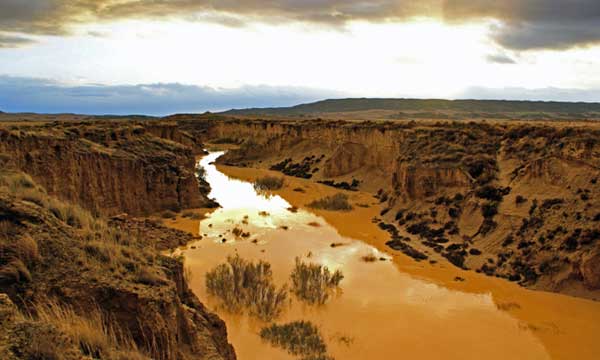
299, 338
73, 215
314, 283
95, 336
17, 253
369, 258
337, 202
147, 276
268, 183
168, 214
241, 284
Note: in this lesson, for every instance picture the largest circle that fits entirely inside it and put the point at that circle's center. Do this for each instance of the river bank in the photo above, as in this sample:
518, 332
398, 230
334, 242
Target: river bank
503, 319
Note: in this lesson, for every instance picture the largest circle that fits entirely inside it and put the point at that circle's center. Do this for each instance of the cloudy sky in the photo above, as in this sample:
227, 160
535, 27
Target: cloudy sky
166, 56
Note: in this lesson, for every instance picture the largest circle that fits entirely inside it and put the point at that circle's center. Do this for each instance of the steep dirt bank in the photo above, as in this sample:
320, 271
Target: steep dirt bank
109, 168
57, 253
76, 284
508, 200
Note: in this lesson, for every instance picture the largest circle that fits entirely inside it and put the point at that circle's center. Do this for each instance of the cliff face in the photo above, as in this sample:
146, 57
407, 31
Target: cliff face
171, 131
108, 168
508, 200
416, 182
67, 269
54, 252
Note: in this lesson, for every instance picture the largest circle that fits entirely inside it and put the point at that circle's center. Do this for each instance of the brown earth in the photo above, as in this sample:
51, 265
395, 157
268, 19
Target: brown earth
512, 200
566, 325
79, 284
109, 168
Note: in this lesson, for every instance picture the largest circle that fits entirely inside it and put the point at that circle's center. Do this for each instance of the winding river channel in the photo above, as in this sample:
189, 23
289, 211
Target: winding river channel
381, 311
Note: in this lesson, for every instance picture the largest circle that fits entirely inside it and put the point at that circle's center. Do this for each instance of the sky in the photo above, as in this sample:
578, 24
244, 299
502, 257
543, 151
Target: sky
159, 57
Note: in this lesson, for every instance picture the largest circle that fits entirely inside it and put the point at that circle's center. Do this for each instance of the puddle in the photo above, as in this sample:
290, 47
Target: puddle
380, 313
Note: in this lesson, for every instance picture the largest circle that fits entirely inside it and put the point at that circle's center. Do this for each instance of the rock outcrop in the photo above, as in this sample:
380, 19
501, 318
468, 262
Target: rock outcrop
108, 168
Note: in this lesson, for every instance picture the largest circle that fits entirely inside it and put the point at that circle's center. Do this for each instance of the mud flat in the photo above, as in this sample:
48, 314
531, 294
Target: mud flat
389, 308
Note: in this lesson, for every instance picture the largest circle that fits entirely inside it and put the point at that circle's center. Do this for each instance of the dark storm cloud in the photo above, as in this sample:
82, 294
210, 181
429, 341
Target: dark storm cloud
548, 35
500, 59
20, 94
524, 24
11, 41
533, 24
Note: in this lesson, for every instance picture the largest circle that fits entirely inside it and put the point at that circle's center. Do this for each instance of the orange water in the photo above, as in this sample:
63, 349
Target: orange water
386, 313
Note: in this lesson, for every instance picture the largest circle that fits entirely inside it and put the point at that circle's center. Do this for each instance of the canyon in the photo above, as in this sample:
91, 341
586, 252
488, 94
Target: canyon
515, 201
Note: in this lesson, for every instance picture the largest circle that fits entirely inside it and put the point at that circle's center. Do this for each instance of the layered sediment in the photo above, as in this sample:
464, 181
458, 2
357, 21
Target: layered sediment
508, 200
109, 168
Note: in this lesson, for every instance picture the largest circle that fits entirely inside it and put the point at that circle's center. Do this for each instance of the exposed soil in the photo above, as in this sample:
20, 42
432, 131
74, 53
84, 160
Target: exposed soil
505, 199
562, 333
111, 292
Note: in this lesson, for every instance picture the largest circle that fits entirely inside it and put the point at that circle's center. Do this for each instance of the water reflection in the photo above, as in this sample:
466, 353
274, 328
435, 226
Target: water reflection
387, 313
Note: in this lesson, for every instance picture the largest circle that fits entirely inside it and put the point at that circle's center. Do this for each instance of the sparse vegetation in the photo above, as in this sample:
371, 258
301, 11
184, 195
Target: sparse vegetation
96, 337
369, 258
54, 243
168, 214
353, 186
244, 285
337, 202
489, 209
314, 283
268, 183
299, 338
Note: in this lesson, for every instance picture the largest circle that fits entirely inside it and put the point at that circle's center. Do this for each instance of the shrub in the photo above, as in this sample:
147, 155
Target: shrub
200, 172
168, 214
268, 183
147, 276
196, 216
299, 338
369, 258
489, 210
549, 203
241, 284
314, 283
492, 193
337, 202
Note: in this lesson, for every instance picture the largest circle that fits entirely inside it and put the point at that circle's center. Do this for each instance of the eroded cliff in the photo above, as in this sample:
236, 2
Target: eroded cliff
506, 199
109, 168
80, 284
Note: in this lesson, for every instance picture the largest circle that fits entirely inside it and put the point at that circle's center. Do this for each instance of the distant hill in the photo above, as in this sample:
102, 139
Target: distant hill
365, 104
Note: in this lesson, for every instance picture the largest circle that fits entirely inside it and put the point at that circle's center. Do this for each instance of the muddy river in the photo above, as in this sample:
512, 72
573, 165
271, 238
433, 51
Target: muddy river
382, 311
